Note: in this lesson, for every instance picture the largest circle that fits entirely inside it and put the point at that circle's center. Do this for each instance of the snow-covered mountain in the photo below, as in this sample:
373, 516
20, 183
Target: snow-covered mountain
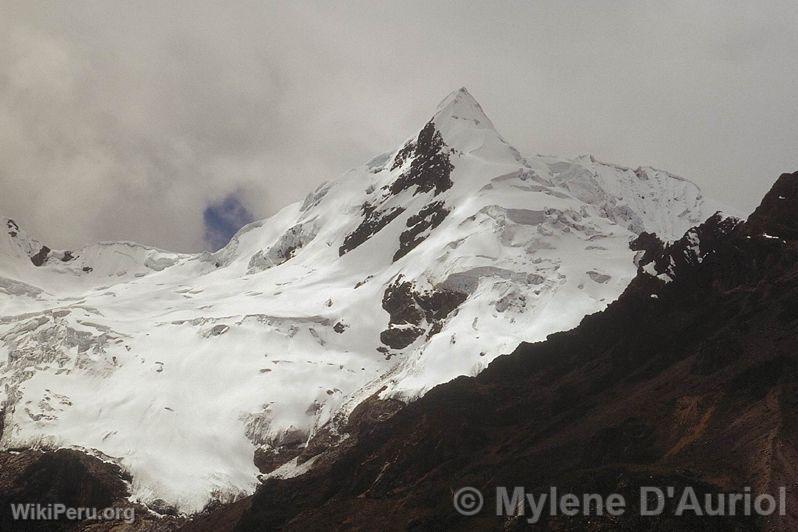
424, 264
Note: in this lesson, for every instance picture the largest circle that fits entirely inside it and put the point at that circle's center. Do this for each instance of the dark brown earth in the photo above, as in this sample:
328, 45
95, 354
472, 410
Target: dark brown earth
75, 480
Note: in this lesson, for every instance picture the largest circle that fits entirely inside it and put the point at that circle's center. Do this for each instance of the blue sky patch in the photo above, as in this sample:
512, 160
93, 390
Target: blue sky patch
222, 219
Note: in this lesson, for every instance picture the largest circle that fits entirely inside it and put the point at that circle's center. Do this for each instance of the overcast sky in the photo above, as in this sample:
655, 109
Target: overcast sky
146, 120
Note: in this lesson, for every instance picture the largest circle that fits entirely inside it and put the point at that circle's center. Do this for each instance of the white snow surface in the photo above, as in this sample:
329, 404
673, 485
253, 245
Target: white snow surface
177, 366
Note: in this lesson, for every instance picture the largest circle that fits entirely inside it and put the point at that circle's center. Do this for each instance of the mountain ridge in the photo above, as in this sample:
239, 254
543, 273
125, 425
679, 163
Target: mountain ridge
187, 369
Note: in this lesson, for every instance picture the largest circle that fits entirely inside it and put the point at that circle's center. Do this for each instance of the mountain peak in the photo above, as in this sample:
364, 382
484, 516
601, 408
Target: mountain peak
465, 127
373, 286
777, 214
459, 106
460, 94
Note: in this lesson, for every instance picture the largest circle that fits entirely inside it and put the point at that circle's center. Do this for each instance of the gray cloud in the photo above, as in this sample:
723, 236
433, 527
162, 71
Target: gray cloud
125, 120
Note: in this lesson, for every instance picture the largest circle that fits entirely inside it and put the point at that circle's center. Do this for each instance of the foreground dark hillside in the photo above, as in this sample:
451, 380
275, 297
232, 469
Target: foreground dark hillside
691, 382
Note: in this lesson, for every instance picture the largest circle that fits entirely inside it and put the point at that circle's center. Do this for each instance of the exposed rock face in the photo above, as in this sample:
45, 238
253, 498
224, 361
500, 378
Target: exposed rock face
778, 213
429, 171
419, 225
430, 167
403, 154
373, 221
692, 249
41, 257
686, 382
649, 245
400, 337
13, 228
412, 312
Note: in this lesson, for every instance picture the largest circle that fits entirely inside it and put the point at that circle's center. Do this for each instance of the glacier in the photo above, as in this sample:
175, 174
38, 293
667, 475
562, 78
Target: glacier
421, 265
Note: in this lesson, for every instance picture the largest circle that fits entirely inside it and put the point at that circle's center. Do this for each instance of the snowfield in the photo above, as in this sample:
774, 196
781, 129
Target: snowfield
424, 264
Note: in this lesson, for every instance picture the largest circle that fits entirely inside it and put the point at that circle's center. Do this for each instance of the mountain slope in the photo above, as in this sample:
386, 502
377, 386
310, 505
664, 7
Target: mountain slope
685, 380
422, 265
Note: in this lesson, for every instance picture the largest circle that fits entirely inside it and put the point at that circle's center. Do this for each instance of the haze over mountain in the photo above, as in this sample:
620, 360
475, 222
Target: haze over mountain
123, 122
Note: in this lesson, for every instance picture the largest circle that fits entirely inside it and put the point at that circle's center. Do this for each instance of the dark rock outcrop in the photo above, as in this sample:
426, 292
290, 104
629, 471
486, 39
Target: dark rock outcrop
687, 252
373, 221
429, 171
430, 167
41, 257
13, 228
777, 215
413, 312
427, 219
402, 155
